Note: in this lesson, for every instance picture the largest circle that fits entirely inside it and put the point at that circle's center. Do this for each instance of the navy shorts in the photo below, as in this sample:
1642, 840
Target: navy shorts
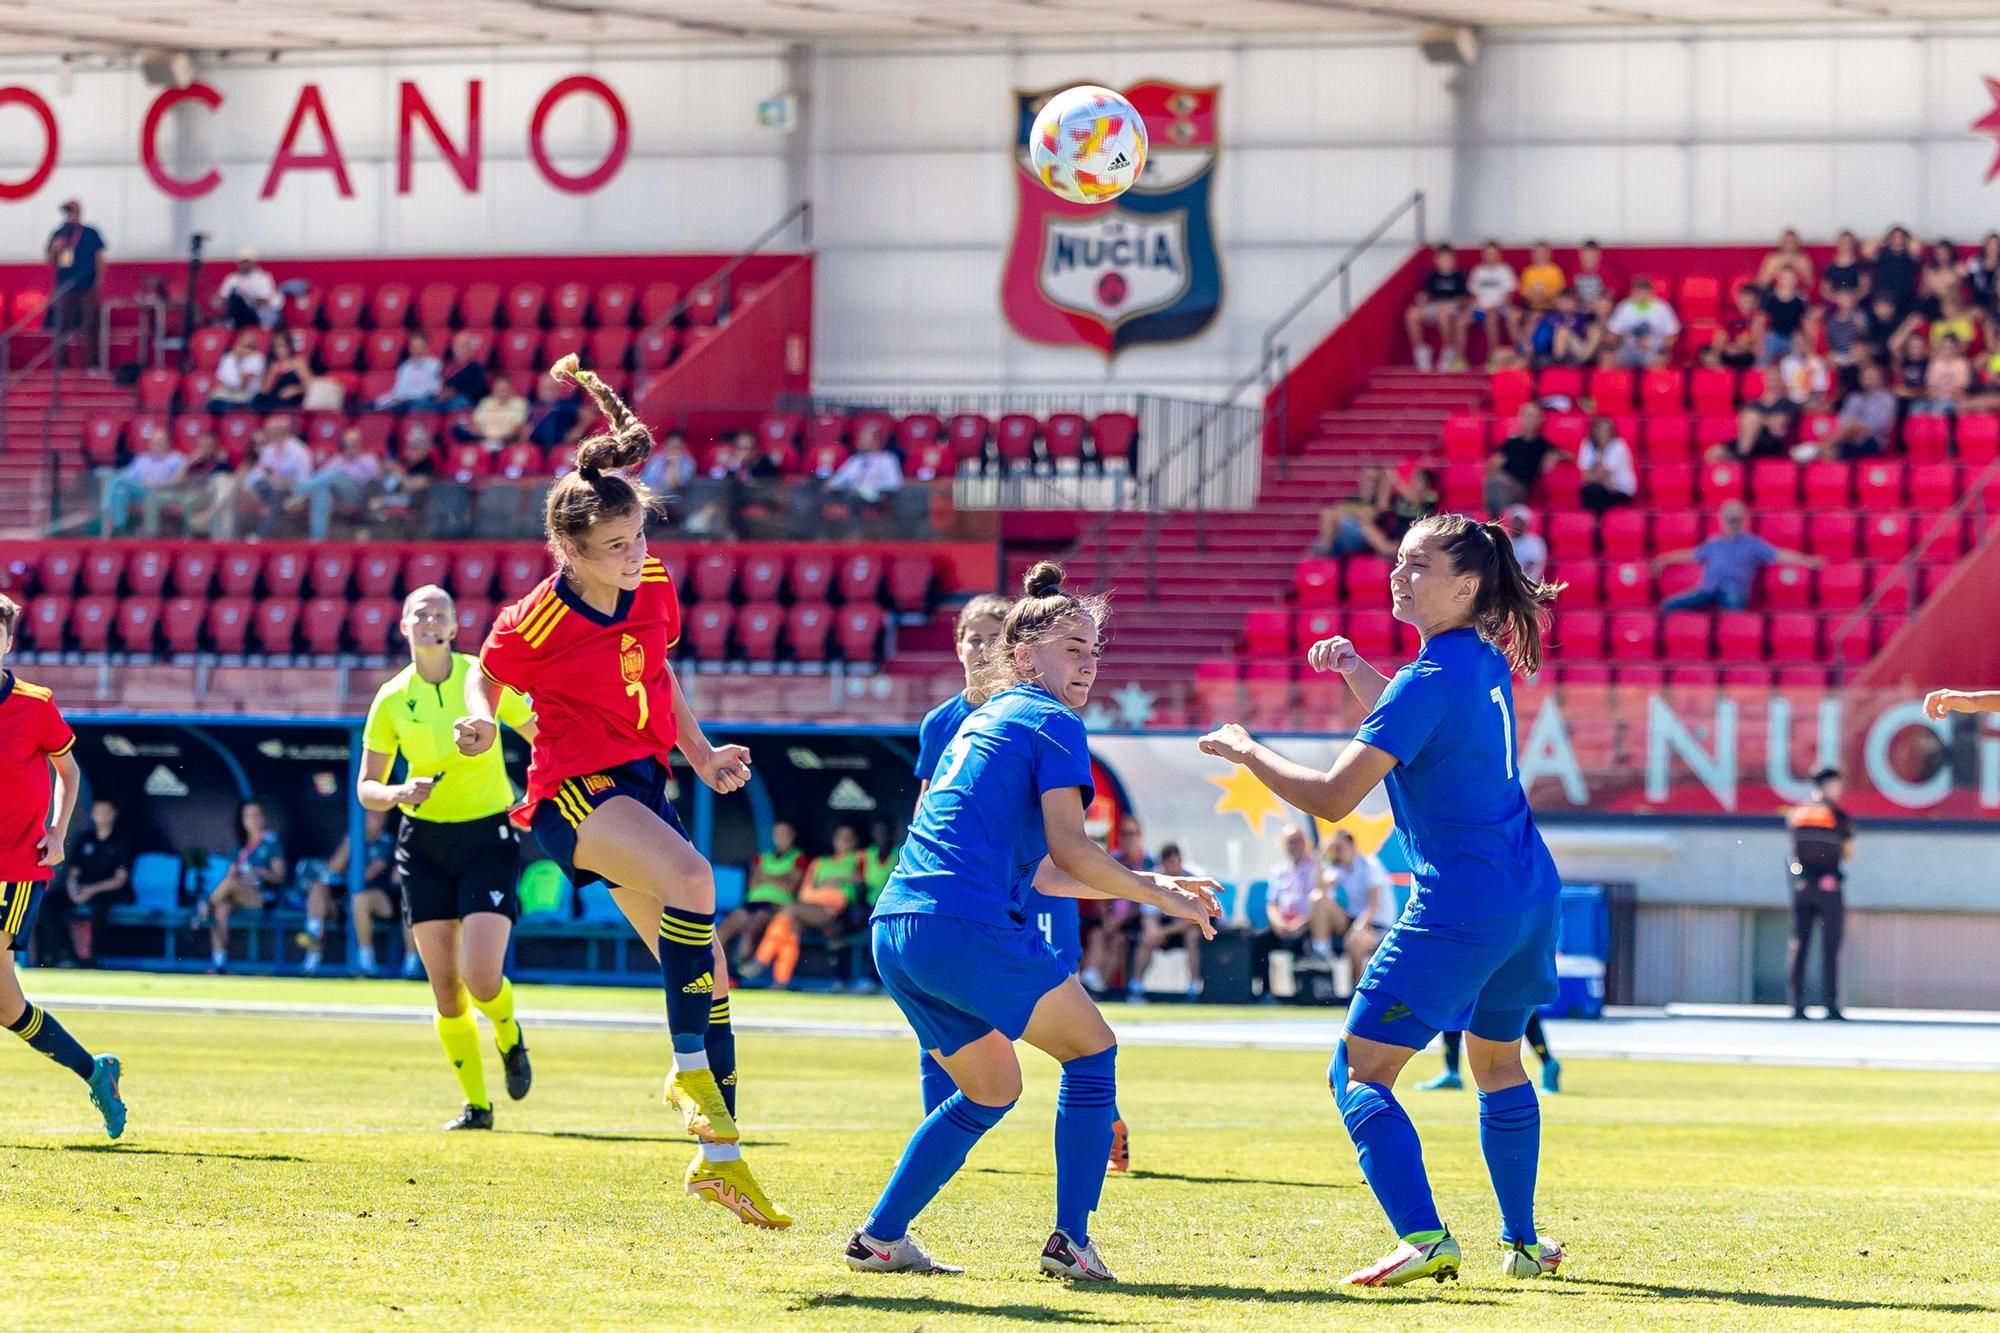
1482, 977
20, 904
957, 980
557, 817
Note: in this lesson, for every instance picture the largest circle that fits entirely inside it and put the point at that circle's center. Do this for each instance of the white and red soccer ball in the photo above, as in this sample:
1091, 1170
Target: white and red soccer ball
1088, 145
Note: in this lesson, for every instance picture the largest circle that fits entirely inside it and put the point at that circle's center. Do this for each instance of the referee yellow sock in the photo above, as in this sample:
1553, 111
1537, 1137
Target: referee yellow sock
499, 1012
459, 1036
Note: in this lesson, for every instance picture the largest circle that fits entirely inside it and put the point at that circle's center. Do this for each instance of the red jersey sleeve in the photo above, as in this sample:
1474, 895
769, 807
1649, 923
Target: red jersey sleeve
507, 655
664, 599
55, 737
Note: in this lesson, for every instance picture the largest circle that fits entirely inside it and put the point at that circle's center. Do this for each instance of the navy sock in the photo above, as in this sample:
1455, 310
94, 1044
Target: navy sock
720, 1042
686, 959
1537, 1042
1086, 1103
1392, 1159
935, 1153
1510, 1134
936, 1084
1452, 1041
38, 1027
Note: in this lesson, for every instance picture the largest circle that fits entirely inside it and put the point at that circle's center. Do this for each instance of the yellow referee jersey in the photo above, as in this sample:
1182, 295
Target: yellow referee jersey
413, 717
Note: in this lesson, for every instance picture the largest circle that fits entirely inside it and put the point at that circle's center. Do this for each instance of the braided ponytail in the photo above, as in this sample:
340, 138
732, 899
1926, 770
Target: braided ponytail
598, 489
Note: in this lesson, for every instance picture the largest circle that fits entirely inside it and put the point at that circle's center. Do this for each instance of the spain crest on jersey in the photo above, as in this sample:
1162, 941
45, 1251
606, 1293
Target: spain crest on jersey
1141, 269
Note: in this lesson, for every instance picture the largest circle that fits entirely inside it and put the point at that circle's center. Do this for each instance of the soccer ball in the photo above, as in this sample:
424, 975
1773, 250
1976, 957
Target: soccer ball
1088, 145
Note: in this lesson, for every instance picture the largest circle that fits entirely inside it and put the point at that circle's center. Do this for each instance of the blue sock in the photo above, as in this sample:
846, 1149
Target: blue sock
1392, 1159
38, 1027
686, 970
934, 1154
1510, 1134
1086, 1103
720, 1043
936, 1084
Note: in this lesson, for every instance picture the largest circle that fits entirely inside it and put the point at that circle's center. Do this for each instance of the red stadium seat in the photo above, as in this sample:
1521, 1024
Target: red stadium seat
761, 576
332, 570
180, 624
708, 627
376, 571
1788, 587
467, 463
559, 343
807, 629
284, 573
1267, 632
1774, 484
910, 579
1460, 487
1510, 391
1624, 534
58, 571
344, 305
1927, 439
1670, 485
472, 573
1310, 627
1978, 439
658, 301
1633, 636
1465, 437
969, 433
324, 624
372, 624
1832, 535
1662, 392
524, 306
861, 577
1817, 427
823, 460
1712, 431
1372, 632
1565, 430
276, 626
1946, 535
758, 626
1629, 583
1934, 486
715, 577
475, 622
91, 621
1700, 295
1317, 581
1669, 439
1560, 382
1064, 436
520, 572
141, 431
1781, 527
1578, 635
1712, 393
613, 306
479, 306
1739, 637
389, 308
1117, 437
812, 576
206, 348
426, 566
1829, 485
520, 461
138, 624
341, 349
704, 308
1611, 391
1677, 579
825, 428
1893, 594
46, 624
1016, 433
101, 433
611, 350
104, 571
1878, 484
194, 571
521, 350
569, 305
229, 623
1585, 583
146, 572
1887, 536
858, 631
932, 461
1675, 531
158, 389
1794, 638
435, 303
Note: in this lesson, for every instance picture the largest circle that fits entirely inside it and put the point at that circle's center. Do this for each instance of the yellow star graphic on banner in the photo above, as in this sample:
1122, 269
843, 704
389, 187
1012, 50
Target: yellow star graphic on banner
1370, 832
1244, 795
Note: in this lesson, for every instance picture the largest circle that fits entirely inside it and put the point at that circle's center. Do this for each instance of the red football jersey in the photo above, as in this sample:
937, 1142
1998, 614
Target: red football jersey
599, 684
31, 732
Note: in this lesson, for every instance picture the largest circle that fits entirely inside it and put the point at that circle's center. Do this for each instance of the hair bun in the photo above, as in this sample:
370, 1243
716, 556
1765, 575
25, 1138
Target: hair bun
1044, 580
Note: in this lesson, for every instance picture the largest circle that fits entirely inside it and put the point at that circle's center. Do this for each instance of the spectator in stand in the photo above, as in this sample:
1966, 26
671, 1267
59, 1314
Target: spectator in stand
1443, 302
1108, 923
1493, 283
1913, 366
76, 252
1947, 380
1530, 551
1343, 528
1764, 426
1157, 932
870, 473
203, 472
1364, 893
1742, 331
1730, 563
419, 385
775, 877
556, 419
1644, 327
1893, 268
1867, 421
769, 463
1954, 319
282, 465
1847, 337
257, 872
98, 877
406, 481
156, 469
1781, 314
1790, 257
1806, 377
1847, 271
249, 297
729, 460
286, 375
1294, 906
1982, 275
670, 468
464, 375
239, 375
1610, 476
501, 417
1567, 335
1542, 280
1887, 328
1513, 469
1942, 277
832, 888
1590, 282
342, 480
325, 883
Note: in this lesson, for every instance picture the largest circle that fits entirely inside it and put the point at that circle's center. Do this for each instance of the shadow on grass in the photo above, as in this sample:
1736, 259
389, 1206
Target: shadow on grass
132, 1149
1202, 1291
1778, 1299
927, 1306
1175, 1176
608, 1136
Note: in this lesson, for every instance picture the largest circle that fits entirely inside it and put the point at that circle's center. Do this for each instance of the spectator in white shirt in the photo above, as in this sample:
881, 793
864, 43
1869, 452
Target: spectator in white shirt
1158, 931
1610, 478
1805, 373
1493, 283
1297, 910
1645, 327
282, 463
419, 381
501, 415
1364, 891
1530, 550
152, 470
871, 473
249, 298
239, 375
342, 480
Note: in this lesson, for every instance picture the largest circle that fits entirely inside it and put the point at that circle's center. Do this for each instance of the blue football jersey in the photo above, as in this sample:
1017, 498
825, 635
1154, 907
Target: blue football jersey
977, 839
1448, 718
936, 730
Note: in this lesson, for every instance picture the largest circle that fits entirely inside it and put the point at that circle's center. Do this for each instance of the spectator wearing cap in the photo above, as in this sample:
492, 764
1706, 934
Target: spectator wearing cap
1513, 469
1730, 563
1645, 327
1530, 551
249, 297
1822, 845
1610, 476
76, 252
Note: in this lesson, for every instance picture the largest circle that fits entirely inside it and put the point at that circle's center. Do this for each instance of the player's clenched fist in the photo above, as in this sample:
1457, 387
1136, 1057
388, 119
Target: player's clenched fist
1334, 654
475, 735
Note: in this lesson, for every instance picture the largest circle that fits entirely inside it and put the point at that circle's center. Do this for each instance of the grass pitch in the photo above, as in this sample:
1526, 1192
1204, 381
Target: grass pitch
288, 1173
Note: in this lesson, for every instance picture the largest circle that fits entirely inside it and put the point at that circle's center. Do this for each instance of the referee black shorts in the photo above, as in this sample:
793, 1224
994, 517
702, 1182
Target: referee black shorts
450, 871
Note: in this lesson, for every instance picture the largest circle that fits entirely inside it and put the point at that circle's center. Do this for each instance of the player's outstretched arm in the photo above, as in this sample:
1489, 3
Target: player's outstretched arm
724, 768
1337, 654
1077, 855
1939, 702
1329, 795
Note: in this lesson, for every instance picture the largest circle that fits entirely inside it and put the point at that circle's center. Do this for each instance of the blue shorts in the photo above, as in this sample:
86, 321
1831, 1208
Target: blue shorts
957, 980
1482, 977
1056, 921
556, 818
20, 904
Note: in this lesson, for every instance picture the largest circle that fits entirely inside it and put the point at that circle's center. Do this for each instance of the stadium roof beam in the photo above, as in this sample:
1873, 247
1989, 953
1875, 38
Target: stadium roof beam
706, 27
1393, 13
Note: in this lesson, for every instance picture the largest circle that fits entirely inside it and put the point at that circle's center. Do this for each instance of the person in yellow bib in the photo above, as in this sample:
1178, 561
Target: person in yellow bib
457, 853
